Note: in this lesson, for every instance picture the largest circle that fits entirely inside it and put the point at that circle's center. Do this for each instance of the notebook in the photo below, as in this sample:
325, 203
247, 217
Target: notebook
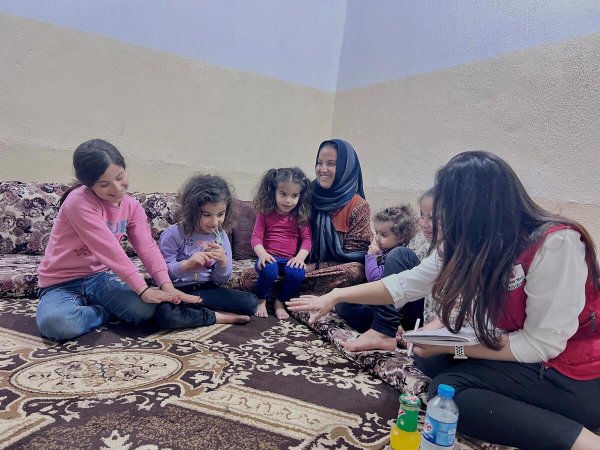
441, 336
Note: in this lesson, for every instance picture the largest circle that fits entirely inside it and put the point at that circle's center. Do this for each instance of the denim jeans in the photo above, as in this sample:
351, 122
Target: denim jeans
290, 286
200, 315
73, 308
385, 318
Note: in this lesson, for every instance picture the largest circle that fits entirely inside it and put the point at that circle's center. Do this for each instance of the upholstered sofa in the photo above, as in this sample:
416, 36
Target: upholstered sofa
28, 210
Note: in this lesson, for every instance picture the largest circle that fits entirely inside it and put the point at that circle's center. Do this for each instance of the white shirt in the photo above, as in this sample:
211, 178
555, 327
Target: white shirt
555, 288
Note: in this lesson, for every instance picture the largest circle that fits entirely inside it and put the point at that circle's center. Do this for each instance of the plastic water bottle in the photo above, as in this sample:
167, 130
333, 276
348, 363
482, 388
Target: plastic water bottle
441, 417
404, 434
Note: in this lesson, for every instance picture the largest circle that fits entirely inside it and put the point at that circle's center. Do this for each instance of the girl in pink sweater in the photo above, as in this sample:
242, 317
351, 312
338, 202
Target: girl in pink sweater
86, 277
281, 237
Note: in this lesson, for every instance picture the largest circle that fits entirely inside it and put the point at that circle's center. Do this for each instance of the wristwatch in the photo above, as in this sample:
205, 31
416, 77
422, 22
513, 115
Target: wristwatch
459, 352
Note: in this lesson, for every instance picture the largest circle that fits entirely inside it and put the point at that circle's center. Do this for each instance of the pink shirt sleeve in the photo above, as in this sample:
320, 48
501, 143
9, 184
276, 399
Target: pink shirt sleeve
90, 226
305, 238
258, 233
145, 246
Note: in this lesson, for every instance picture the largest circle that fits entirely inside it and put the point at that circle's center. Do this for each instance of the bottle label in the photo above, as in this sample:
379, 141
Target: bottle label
439, 433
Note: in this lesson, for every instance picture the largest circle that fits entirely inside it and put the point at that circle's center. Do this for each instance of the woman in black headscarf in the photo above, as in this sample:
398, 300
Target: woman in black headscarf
341, 215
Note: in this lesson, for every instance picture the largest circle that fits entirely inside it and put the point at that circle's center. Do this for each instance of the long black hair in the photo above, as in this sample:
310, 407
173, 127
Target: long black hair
487, 219
90, 161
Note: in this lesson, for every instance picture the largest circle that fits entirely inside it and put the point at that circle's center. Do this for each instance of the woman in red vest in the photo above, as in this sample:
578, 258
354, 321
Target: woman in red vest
506, 264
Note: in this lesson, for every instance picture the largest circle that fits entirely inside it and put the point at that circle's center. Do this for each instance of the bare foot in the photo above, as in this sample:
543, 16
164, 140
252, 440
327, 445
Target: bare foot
262, 308
371, 340
227, 317
280, 311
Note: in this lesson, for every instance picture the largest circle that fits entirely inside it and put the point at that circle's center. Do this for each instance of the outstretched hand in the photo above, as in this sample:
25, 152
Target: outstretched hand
317, 306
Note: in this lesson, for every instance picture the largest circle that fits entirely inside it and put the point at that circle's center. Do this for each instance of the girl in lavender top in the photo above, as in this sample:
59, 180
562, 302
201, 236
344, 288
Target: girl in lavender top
281, 237
198, 256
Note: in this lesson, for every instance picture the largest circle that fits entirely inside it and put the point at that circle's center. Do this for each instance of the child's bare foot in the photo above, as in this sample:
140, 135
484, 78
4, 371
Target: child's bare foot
262, 308
280, 311
371, 340
227, 317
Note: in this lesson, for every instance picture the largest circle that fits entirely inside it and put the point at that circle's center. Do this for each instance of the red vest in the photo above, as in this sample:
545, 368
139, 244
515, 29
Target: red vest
580, 359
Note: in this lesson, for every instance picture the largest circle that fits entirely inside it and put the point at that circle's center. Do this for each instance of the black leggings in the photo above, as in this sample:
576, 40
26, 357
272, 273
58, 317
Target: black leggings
520, 405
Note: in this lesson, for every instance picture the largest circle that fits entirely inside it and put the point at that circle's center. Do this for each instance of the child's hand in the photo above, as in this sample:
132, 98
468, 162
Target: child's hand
297, 263
399, 339
197, 261
374, 248
218, 254
155, 295
182, 296
264, 259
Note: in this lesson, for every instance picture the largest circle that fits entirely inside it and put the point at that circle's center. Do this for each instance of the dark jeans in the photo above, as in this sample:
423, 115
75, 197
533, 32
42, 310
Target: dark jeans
385, 318
187, 315
514, 404
292, 279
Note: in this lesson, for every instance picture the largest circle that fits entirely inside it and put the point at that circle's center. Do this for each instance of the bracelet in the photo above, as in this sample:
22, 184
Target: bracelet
142, 293
459, 352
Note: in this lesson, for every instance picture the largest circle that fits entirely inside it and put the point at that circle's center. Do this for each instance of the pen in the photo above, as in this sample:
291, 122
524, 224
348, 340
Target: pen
410, 346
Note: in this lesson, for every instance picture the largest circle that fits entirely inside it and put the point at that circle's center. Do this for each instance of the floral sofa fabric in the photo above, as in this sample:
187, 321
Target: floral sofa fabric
27, 212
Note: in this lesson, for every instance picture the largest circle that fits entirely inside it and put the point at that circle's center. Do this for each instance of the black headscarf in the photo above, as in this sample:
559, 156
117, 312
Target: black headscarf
346, 183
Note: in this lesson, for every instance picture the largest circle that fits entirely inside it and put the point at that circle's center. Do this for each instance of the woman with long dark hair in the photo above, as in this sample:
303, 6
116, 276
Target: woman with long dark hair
505, 264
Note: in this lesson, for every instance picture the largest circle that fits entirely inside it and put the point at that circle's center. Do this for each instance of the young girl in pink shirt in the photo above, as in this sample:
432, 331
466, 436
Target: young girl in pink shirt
281, 238
86, 277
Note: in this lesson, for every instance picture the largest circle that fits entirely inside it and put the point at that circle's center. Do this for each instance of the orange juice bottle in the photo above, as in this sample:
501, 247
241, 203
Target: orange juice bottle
404, 434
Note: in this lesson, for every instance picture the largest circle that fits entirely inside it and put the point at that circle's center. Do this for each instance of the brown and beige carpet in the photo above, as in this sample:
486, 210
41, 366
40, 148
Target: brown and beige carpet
267, 385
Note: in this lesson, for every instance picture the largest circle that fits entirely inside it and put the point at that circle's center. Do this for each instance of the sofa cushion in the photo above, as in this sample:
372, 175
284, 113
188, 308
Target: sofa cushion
160, 209
27, 212
18, 275
19, 278
242, 233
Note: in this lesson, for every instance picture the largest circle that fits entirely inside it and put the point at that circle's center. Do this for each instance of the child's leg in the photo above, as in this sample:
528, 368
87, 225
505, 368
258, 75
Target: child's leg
63, 312
359, 317
183, 315
290, 288
382, 333
266, 278
217, 297
107, 289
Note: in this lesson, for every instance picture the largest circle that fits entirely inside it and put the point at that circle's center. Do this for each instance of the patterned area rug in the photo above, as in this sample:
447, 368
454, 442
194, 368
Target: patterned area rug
267, 385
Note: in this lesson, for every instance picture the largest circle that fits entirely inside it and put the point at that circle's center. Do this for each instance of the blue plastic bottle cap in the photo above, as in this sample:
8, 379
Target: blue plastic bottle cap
445, 391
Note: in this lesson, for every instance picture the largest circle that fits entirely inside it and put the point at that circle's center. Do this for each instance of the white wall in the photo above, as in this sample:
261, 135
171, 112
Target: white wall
468, 79
294, 41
